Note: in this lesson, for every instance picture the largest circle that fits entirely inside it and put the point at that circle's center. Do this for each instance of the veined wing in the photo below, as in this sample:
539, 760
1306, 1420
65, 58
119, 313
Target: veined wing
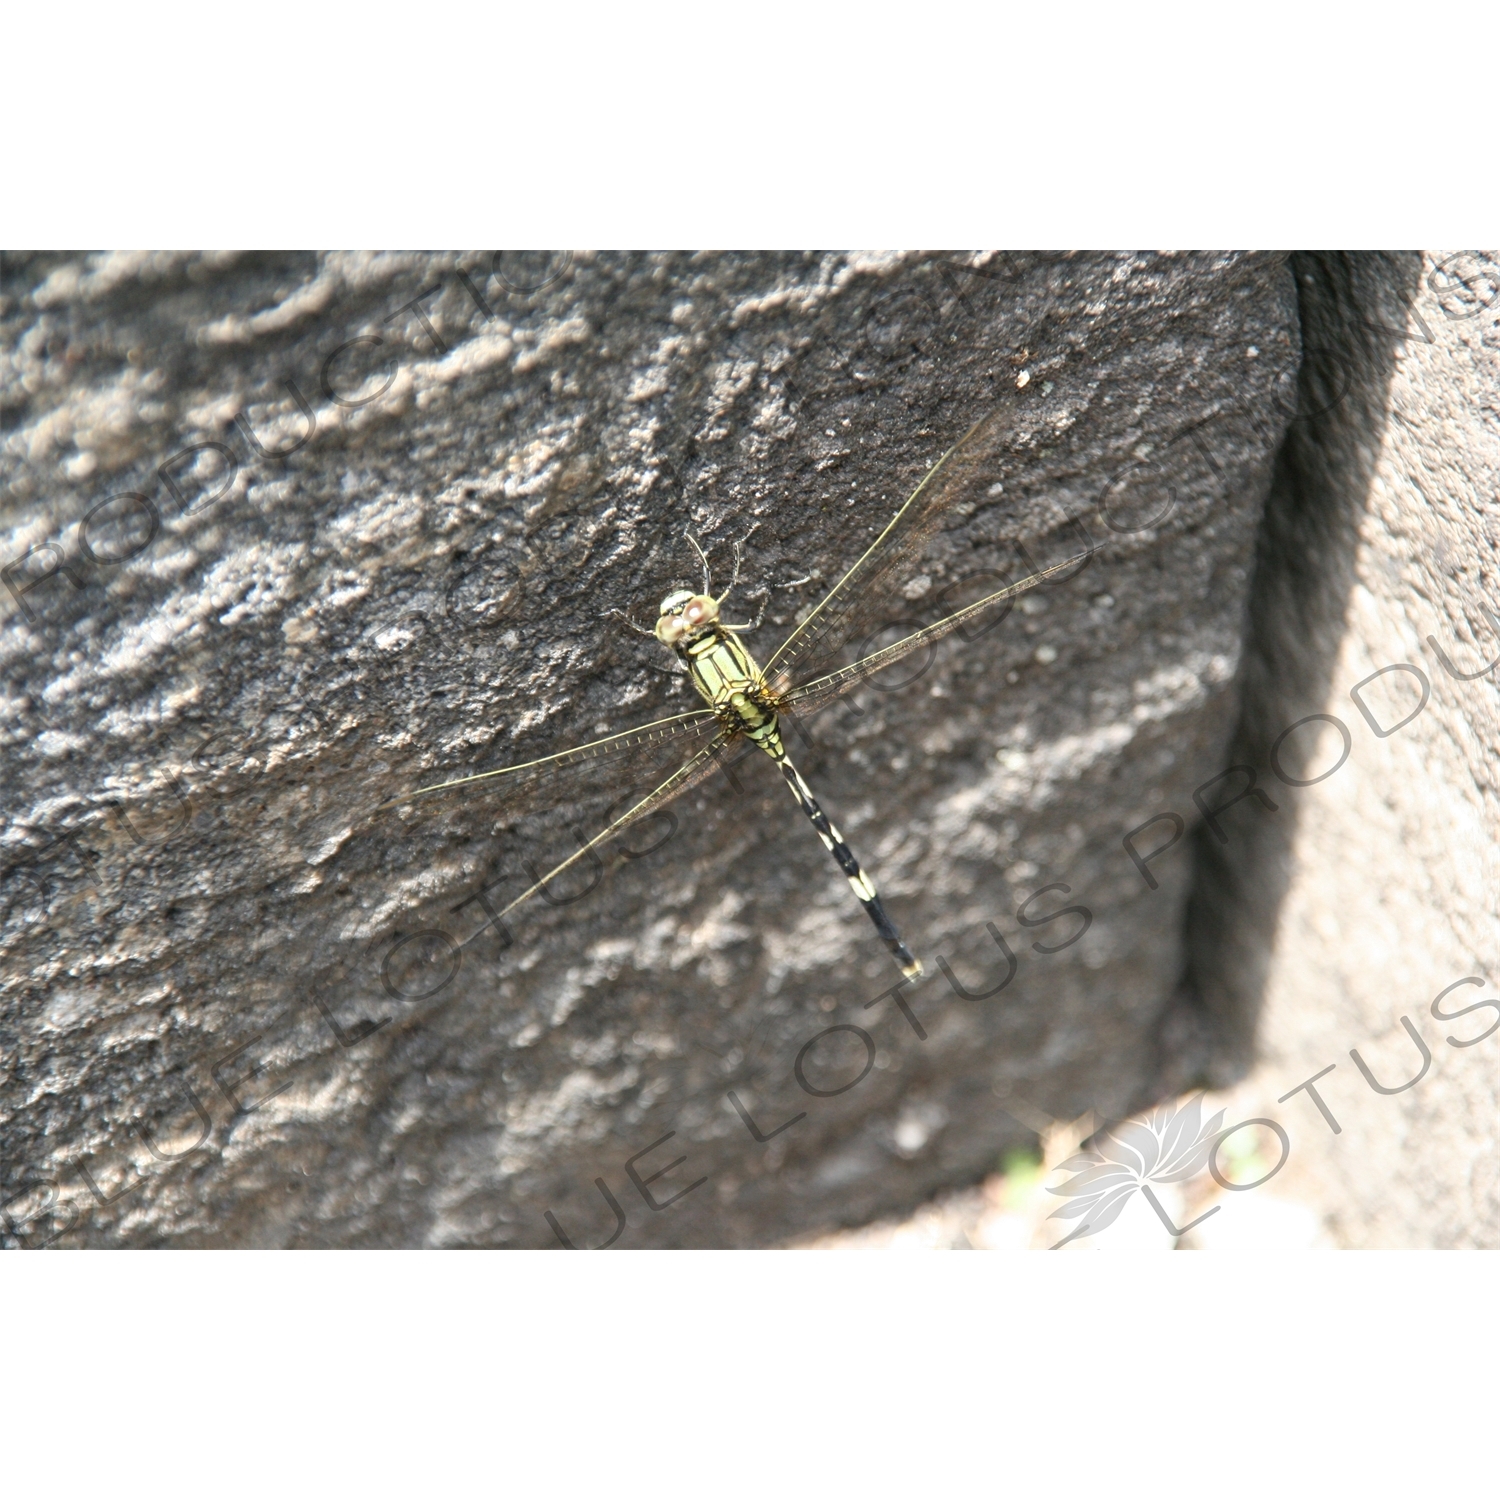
837, 616
598, 765
821, 691
704, 762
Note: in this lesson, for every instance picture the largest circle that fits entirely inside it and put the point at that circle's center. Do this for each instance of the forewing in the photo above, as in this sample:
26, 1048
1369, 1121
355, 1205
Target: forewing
821, 691
871, 594
593, 772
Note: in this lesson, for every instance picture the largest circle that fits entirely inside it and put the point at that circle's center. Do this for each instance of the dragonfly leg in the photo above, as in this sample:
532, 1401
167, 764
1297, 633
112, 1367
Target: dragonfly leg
765, 592
734, 577
761, 614
708, 583
860, 883
639, 629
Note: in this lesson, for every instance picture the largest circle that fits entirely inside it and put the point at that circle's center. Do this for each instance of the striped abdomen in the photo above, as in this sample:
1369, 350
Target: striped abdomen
861, 884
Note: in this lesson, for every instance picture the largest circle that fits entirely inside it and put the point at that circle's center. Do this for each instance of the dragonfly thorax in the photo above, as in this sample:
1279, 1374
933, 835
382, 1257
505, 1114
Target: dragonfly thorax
722, 670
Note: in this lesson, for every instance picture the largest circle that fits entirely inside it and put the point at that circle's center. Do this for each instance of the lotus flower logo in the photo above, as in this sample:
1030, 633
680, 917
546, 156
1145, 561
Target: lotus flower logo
1168, 1145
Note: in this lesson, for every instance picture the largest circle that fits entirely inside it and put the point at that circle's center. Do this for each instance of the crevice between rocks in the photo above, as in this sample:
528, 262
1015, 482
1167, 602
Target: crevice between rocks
1353, 308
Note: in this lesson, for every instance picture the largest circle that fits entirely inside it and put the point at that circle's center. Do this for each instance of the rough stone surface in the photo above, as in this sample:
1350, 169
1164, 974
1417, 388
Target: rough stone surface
211, 937
1319, 928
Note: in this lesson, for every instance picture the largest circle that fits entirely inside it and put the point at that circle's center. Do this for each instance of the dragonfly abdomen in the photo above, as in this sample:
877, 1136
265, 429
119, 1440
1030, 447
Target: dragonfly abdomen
860, 883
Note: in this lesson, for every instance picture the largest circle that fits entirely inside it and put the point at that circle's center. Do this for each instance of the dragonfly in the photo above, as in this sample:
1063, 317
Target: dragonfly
747, 702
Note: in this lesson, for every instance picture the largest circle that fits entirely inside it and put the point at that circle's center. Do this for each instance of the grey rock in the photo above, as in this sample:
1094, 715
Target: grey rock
212, 940
1332, 926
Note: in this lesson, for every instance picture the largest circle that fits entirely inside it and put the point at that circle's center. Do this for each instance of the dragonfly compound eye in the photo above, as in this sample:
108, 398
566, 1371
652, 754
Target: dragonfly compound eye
701, 610
669, 629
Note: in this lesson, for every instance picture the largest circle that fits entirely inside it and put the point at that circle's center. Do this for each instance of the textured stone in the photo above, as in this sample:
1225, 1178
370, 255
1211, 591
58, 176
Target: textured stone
203, 913
1318, 928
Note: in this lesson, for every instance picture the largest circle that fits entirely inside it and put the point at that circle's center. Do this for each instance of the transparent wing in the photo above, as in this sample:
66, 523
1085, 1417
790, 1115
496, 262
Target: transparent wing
704, 762
596, 768
821, 691
867, 591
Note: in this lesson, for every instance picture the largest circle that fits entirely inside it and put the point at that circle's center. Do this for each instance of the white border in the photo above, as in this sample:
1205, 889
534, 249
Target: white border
702, 1374
783, 124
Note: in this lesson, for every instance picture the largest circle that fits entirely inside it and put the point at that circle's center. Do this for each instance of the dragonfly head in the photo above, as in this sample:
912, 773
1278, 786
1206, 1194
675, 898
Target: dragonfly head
685, 615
